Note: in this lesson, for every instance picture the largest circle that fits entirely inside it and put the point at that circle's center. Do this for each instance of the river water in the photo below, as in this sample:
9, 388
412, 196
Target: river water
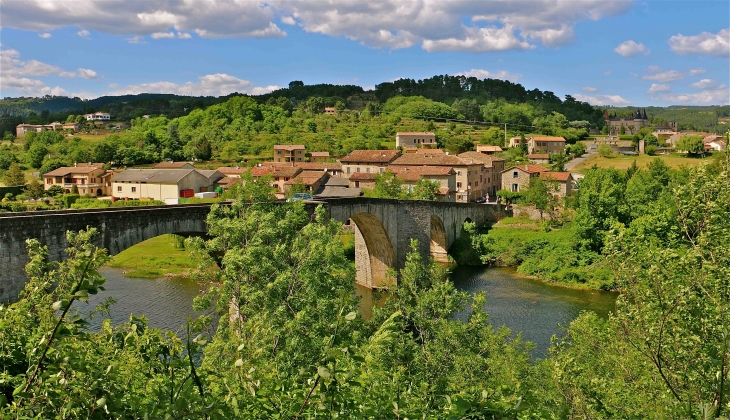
538, 310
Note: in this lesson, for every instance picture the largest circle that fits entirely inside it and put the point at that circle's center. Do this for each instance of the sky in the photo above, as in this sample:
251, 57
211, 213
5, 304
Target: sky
605, 52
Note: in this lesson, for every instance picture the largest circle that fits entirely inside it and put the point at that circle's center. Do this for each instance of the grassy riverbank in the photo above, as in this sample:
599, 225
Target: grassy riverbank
153, 258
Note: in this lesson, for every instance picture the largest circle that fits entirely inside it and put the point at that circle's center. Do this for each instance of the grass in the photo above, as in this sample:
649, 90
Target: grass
153, 258
624, 162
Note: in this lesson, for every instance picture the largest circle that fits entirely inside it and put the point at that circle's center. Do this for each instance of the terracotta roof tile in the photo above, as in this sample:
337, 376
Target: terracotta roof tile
548, 138
371, 156
289, 147
555, 176
416, 133
532, 169
230, 170
480, 157
414, 173
362, 176
318, 166
68, 170
319, 154
430, 158
308, 178
538, 156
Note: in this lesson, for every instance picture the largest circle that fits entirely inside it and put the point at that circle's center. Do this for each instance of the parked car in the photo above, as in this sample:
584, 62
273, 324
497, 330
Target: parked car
300, 196
480, 200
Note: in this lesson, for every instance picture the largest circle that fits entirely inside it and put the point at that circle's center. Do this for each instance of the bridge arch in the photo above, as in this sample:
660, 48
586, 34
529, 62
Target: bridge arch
438, 245
374, 254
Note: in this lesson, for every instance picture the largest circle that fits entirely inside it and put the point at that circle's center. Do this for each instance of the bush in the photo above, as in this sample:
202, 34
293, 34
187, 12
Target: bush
90, 203
651, 150
605, 150
137, 203
68, 200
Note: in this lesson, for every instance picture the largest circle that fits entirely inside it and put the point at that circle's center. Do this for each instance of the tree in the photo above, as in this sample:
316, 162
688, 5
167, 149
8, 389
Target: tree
36, 154
558, 162
493, 136
54, 190
387, 185
14, 176
578, 149
622, 131
424, 190
605, 150
600, 204
540, 194
34, 189
692, 144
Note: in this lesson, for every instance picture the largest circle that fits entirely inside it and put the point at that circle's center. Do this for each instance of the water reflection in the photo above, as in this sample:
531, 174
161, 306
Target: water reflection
532, 307
166, 302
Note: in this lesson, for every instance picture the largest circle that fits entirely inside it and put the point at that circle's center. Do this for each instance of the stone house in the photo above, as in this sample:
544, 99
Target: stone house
162, 184
492, 174
289, 153
546, 144
368, 161
89, 179
280, 174
318, 156
362, 180
420, 139
332, 168
488, 149
445, 176
539, 158
312, 180
470, 174
563, 182
517, 178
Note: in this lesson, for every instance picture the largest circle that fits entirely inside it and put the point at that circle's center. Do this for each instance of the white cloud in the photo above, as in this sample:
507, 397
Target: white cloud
45, 35
12, 65
160, 35
705, 43
183, 35
135, 40
113, 85
28, 87
486, 74
706, 84
83, 33
86, 73
435, 25
657, 74
694, 72
602, 99
607, 73
630, 48
589, 89
720, 96
657, 87
219, 84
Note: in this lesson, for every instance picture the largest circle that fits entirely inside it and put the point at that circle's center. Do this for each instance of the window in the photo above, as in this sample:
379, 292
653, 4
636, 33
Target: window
49, 181
382, 170
458, 185
348, 170
278, 152
458, 173
515, 174
367, 170
515, 187
357, 184
357, 169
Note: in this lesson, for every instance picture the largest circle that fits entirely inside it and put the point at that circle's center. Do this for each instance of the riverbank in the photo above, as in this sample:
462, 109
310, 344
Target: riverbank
155, 258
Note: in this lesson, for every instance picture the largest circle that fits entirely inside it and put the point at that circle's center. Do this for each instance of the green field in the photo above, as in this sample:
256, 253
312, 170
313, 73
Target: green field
153, 258
624, 162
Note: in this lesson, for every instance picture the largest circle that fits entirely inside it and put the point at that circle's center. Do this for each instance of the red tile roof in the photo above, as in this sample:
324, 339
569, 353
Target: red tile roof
232, 170
319, 154
530, 169
424, 157
289, 147
538, 156
480, 158
275, 171
371, 156
362, 176
307, 178
555, 176
70, 170
489, 148
548, 138
318, 166
416, 133
414, 173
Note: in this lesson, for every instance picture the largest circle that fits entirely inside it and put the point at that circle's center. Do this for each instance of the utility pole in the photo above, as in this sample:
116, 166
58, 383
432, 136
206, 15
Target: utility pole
505, 135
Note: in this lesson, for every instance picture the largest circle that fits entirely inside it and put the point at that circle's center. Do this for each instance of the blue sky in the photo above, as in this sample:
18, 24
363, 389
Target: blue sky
607, 52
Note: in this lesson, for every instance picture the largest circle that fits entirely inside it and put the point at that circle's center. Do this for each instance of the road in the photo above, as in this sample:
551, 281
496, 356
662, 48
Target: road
577, 161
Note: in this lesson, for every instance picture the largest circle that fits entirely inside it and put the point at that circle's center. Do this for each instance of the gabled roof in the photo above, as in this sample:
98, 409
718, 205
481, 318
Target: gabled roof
307, 178
489, 148
425, 157
172, 165
69, 170
480, 158
538, 156
153, 176
548, 138
319, 154
416, 133
231, 170
289, 147
318, 166
555, 176
530, 169
339, 192
415, 173
211, 174
371, 156
275, 171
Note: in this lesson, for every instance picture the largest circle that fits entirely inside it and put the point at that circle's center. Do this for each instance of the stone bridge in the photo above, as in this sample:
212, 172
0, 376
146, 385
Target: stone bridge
383, 230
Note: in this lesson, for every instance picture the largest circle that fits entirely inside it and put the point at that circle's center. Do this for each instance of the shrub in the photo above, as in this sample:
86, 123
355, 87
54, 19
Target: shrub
651, 150
605, 150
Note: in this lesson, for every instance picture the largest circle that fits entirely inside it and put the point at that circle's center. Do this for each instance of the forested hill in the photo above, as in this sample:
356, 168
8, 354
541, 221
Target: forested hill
466, 95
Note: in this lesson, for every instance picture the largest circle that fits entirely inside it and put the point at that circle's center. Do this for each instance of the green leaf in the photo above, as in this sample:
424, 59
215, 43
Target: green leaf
324, 372
101, 402
352, 315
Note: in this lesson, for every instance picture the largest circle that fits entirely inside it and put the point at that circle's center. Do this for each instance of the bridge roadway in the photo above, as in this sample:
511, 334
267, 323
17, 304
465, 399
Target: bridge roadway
383, 230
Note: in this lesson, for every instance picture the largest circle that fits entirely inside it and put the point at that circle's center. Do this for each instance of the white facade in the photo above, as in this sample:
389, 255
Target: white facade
98, 116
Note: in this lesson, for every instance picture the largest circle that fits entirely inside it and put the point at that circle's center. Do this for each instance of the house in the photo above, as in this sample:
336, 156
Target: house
539, 158
280, 174
174, 165
470, 173
492, 174
330, 110
515, 141
488, 149
332, 168
232, 172
546, 144
72, 126
338, 188
517, 178
416, 149
418, 139
362, 180
715, 142
88, 178
98, 116
445, 176
162, 184
213, 175
311, 180
375, 161
319, 156
22, 129
289, 153
563, 182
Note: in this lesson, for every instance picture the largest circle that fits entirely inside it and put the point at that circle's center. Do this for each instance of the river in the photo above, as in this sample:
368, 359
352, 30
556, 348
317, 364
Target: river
536, 309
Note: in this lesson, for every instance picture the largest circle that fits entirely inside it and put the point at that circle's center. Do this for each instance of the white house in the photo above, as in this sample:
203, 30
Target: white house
161, 184
98, 116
